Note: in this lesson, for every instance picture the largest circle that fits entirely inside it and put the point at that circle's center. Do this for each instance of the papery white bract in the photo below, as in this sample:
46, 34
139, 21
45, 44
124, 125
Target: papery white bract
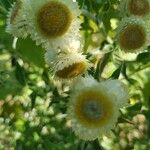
94, 107
16, 20
53, 23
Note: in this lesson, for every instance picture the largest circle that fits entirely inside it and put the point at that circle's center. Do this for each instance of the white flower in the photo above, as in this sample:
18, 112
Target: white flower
53, 23
132, 34
70, 65
50, 56
16, 22
52, 53
140, 8
94, 107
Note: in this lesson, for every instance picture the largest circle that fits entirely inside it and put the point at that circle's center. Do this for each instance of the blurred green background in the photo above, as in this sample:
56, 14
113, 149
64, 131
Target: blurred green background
33, 105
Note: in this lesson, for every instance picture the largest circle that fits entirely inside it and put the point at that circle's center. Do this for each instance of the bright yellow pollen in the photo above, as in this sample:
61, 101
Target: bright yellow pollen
96, 114
72, 70
15, 11
139, 7
132, 37
54, 19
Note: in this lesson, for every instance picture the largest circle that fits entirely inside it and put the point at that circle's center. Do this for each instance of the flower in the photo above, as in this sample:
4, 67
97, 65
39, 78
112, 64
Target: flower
94, 107
140, 8
53, 55
53, 23
16, 22
132, 34
70, 65
50, 56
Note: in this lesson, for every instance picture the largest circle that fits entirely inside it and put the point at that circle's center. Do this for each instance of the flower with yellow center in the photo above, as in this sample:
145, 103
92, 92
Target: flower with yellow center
94, 107
53, 23
140, 8
132, 34
70, 65
16, 20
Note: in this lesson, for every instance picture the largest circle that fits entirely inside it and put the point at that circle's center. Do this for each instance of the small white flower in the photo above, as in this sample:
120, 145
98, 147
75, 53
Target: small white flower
133, 34
53, 23
94, 107
70, 65
16, 20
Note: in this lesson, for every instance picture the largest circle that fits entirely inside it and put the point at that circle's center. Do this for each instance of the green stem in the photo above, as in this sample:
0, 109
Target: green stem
141, 68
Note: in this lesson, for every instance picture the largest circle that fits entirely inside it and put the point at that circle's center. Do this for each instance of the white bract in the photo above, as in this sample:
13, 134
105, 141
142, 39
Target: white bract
94, 107
16, 20
53, 23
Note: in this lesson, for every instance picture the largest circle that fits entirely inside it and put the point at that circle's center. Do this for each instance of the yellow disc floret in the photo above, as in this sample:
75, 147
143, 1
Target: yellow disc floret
139, 7
133, 34
54, 19
70, 65
93, 109
132, 37
72, 71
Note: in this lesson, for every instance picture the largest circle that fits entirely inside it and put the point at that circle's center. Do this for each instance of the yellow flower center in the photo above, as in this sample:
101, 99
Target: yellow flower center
132, 37
93, 109
15, 11
72, 70
139, 7
54, 19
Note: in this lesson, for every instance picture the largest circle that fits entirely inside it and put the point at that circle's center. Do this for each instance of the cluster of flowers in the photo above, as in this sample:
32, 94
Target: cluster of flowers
133, 31
94, 106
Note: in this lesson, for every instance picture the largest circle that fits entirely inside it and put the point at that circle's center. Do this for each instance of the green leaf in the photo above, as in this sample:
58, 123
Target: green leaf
30, 52
6, 39
6, 3
116, 73
33, 99
135, 107
146, 93
20, 74
9, 84
143, 57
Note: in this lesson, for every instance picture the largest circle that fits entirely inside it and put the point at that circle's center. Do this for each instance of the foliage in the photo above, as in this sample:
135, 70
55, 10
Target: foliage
33, 106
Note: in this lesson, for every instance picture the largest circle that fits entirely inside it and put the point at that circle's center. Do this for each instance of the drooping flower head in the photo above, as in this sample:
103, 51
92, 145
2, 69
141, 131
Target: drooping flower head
53, 23
94, 107
16, 20
70, 65
140, 8
132, 34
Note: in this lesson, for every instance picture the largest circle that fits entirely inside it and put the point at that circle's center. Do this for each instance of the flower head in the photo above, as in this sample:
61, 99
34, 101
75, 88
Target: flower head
53, 23
140, 8
94, 107
70, 65
16, 20
132, 34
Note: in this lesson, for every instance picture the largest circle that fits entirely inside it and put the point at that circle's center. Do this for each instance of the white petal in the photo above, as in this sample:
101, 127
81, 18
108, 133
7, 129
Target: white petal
117, 88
